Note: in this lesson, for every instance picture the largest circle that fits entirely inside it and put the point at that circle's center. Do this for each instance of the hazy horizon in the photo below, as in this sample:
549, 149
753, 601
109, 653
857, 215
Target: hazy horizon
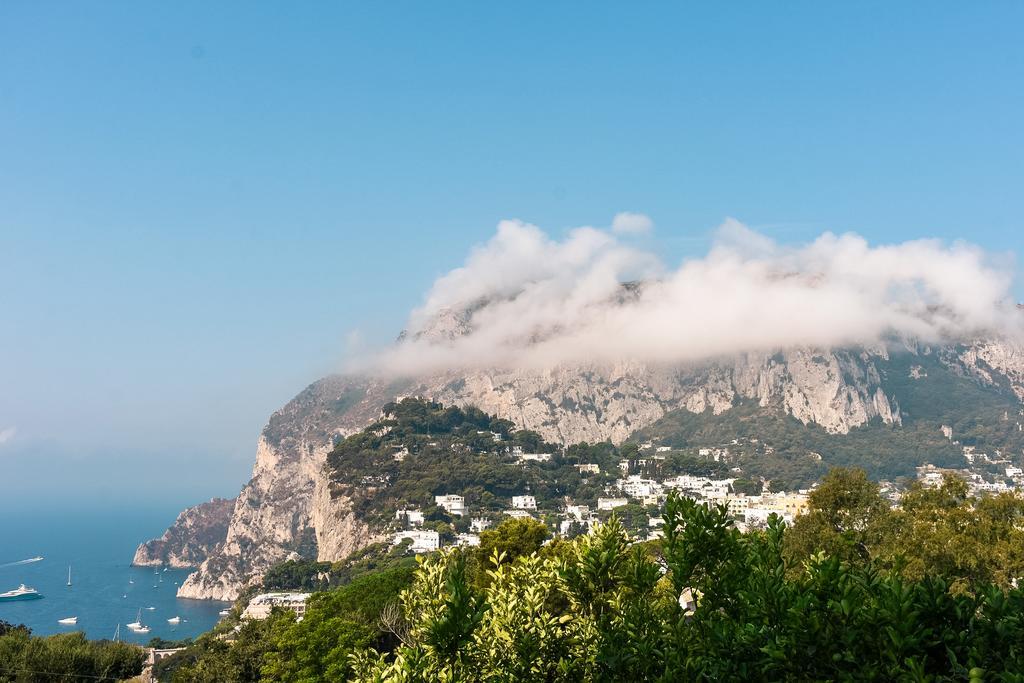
204, 209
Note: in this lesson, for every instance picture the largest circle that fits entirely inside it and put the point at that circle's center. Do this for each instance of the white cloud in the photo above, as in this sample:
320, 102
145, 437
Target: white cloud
627, 223
7, 434
524, 298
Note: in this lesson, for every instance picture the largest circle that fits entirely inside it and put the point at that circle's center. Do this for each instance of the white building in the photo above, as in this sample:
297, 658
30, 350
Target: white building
534, 457
467, 540
757, 517
400, 453
636, 486
413, 517
589, 468
524, 502
422, 541
1014, 471
518, 514
261, 605
579, 512
454, 505
479, 524
611, 503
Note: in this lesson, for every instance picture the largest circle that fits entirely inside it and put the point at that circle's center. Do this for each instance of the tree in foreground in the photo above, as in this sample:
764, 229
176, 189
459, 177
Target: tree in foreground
603, 610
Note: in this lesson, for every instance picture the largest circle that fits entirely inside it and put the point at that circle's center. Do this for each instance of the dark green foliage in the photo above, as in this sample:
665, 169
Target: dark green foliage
513, 538
602, 611
375, 558
7, 627
450, 450
747, 487
336, 624
237, 658
307, 575
846, 518
935, 532
66, 657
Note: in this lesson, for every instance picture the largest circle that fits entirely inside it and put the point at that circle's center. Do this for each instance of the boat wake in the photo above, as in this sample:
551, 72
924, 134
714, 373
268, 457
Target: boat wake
20, 562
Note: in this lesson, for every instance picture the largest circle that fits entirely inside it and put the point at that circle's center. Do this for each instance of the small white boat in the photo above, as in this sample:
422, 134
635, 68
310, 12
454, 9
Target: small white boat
150, 609
125, 595
141, 629
131, 580
224, 612
68, 621
174, 620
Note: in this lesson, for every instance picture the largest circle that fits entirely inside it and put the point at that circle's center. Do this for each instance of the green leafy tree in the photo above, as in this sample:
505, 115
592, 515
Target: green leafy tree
846, 518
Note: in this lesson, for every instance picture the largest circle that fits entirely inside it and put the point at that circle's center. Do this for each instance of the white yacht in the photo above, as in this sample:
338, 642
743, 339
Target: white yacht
174, 620
22, 592
68, 621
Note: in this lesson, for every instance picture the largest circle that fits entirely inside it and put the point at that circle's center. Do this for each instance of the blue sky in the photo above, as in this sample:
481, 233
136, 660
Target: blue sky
199, 203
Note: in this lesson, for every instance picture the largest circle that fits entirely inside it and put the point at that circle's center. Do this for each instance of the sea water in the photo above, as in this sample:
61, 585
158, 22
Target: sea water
106, 590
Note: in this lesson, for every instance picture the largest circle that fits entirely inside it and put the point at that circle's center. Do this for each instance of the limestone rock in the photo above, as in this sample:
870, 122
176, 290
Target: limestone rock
191, 539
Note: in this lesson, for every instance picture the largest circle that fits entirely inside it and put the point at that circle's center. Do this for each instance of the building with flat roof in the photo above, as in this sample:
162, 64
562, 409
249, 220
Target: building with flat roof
261, 605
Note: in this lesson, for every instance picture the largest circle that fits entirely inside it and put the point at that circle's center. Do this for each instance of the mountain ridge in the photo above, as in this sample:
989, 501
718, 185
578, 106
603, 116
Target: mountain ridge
289, 509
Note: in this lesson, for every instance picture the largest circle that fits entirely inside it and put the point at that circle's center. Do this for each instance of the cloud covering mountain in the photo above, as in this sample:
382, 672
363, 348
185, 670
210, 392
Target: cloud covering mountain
526, 299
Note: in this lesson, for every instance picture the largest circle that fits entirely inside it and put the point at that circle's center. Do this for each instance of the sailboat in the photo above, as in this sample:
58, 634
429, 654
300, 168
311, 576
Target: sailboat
69, 574
137, 624
117, 633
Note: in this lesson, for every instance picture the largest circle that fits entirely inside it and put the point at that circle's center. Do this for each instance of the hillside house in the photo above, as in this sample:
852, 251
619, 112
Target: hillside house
261, 605
452, 504
524, 503
422, 541
410, 517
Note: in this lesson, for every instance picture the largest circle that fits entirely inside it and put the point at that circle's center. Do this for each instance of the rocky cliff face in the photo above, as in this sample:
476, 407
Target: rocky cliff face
191, 539
288, 508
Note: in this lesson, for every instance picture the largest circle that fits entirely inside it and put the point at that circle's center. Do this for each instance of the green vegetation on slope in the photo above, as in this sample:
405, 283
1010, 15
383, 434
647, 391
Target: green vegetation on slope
980, 415
603, 610
25, 658
452, 450
854, 591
